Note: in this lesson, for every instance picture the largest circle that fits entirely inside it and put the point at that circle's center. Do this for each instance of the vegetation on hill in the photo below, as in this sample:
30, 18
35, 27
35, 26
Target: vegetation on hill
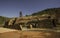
47, 11
2, 19
46, 23
51, 11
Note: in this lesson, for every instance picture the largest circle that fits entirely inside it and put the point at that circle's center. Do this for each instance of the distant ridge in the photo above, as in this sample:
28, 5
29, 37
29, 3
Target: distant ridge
47, 11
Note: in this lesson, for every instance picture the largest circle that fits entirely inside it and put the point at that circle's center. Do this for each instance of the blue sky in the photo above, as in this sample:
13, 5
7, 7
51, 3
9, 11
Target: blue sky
11, 8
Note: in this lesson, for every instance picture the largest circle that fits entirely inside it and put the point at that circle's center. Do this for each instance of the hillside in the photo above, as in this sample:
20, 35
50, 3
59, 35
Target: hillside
45, 23
2, 19
53, 12
47, 11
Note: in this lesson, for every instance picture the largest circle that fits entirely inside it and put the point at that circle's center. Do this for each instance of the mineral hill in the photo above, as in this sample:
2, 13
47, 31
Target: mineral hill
42, 24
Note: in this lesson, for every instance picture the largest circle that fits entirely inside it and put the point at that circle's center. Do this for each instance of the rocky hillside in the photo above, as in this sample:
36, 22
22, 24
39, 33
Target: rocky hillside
46, 23
52, 12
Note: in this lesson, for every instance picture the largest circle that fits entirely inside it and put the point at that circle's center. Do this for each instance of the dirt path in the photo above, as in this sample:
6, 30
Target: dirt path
28, 34
2, 30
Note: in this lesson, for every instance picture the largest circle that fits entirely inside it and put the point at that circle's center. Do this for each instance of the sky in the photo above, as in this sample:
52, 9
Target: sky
11, 8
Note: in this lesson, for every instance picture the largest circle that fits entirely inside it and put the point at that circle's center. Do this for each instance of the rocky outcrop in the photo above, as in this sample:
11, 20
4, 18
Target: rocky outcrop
44, 21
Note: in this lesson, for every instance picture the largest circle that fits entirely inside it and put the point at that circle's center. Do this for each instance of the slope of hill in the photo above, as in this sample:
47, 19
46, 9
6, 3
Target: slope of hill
47, 11
2, 19
44, 23
51, 11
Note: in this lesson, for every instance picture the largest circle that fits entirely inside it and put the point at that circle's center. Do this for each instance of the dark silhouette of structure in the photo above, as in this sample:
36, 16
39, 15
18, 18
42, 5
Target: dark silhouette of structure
20, 14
